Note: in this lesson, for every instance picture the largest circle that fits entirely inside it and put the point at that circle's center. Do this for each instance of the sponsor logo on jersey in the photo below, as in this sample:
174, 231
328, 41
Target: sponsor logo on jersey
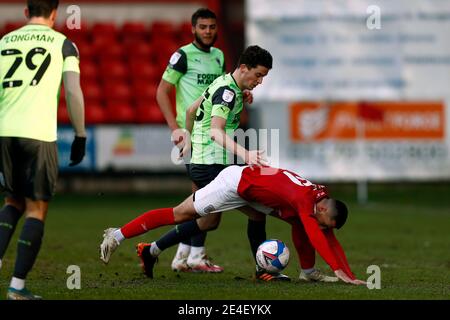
227, 95
206, 78
174, 58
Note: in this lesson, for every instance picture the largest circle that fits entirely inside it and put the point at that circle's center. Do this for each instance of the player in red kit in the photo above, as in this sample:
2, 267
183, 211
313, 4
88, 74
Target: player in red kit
306, 206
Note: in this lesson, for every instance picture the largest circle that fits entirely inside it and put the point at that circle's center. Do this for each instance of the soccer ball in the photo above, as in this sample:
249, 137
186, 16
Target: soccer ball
272, 255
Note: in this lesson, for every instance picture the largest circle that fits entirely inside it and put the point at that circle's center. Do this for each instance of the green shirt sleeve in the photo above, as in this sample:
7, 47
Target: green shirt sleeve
223, 101
176, 68
71, 57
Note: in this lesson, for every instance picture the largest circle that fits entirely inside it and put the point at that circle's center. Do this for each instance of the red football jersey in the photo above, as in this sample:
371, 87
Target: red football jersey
293, 197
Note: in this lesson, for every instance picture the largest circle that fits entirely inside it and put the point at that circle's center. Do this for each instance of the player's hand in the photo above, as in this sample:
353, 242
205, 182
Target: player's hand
178, 136
359, 282
344, 277
77, 151
185, 148
256, 158
247, 96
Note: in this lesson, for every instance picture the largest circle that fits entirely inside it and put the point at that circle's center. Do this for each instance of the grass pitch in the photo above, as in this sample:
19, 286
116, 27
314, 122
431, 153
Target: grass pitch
403, 230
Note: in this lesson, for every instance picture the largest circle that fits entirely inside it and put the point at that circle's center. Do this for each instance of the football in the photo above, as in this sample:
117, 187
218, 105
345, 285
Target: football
272, 255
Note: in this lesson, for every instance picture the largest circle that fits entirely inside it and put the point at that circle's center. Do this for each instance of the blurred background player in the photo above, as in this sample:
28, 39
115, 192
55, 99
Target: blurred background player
306, 206
191, 69
33, 60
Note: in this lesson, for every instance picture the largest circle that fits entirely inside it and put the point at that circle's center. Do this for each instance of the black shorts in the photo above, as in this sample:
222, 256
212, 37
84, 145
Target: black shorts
28, 168
202, 174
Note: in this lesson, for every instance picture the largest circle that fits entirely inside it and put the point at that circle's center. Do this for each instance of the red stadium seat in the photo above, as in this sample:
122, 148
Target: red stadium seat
120, 112
116, 71
144, 91
144, 71
185, 32
88, 70
117, 91
76, 35
149, 113
95, 113
63, 114
163, 29
92, 90
166, 47
101, 44
104, 30
140, 51
134, 32
86, 50
111, 50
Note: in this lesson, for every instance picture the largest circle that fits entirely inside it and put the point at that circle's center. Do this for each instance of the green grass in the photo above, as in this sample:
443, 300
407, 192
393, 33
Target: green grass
403, 230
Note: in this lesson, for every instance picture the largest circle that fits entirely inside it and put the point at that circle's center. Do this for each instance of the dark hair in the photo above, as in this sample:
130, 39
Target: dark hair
254, 56
341, 213
204, 13
41, 8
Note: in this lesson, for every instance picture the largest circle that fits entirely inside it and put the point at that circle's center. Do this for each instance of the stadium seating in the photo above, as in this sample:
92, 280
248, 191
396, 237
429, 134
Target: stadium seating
121, 66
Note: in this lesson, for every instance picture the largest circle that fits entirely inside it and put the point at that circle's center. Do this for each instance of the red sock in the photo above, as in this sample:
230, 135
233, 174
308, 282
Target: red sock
148, 221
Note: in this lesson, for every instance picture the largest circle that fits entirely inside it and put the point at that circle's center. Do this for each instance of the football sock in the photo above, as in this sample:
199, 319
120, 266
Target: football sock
28, 246
183, 250
148, 221
308, 271
9, 216
17, 283
256, 232
177, 234
154, 250
197, 251
118, 235
198, 240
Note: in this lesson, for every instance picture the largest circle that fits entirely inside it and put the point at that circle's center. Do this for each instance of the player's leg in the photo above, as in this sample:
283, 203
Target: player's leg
194, 248
28, 247
182, 234
38, 174
14, 205
10, 215
256, 232
147, 221
220, 195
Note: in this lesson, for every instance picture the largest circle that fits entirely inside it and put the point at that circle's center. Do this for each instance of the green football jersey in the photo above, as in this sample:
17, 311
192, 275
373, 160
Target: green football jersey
32, 61
192, 70
223, 98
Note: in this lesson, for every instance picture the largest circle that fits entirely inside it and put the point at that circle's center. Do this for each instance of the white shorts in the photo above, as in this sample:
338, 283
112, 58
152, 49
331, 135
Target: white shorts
221, 194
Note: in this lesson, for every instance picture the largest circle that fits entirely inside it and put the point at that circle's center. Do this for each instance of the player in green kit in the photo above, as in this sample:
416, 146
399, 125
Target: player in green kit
191, 69
212, 119
33, 61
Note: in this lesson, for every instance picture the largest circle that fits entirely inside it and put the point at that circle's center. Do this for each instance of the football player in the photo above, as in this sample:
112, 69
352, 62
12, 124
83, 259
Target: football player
306, 206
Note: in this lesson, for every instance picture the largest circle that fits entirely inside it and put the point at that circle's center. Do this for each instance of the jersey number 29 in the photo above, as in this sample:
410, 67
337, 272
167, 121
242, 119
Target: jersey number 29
9, 83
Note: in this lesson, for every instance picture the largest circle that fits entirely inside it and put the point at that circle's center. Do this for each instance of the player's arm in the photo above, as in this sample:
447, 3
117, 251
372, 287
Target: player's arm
190, 117
305, 251
75, 102
72, 87
74, 99
176, 68
223, 101
163, 98
323, 247
191, 113
340, 255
